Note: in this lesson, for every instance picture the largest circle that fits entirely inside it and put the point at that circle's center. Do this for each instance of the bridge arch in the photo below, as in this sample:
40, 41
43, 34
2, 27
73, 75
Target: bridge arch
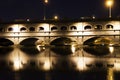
64, 28
109, 26
10, 29
54, 28
41, 28
98, 46
5, 42
98, 27
63, 41
30, 47
98, 41
31, 29
29, 42
73, 28
63, 46
88, 27
23, 29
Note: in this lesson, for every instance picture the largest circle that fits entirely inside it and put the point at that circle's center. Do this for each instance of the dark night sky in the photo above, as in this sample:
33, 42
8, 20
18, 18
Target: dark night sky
33, 9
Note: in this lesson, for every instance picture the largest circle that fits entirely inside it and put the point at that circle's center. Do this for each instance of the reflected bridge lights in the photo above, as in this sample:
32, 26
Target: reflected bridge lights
18, 64
73, 48
40, 45
111, 49
45, 64
81, 63
40, 48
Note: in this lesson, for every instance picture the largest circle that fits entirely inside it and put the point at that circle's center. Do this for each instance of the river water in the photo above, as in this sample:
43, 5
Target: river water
60, 63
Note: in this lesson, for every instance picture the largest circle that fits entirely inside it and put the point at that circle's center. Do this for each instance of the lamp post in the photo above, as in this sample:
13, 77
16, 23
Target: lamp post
109, 4
45, 3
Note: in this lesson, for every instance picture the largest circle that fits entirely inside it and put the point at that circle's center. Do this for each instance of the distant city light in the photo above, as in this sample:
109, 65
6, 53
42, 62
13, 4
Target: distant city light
55, 17
46, 1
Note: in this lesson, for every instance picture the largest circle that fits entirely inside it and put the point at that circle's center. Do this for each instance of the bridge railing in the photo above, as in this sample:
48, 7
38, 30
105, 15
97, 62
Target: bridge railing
62, 33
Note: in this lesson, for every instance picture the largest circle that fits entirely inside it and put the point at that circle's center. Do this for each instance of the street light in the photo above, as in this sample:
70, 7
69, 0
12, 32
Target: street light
109, 4
45, 3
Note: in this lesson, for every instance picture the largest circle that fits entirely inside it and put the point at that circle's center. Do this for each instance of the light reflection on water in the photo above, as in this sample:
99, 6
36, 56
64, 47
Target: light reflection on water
86, 65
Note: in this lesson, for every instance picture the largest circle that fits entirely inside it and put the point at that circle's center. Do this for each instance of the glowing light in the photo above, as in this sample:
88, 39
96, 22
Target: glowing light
46, 65
109, 3
80, 64
18, 58
110, 75
17, 64
40, 48
46, 1
104, 41
73, 48
56, 17
40, 43
117, 66
111, 49
81, 61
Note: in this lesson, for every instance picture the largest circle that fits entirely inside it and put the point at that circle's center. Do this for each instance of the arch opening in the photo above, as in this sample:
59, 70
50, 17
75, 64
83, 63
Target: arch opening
54, 28
23, 29
32, 29
61, 41
10, 29
73, 28
41, 29
64, 28
87, 27
109, 26
5, 50
98, 46
31, 46
5, 42
98, 27
29, 42
62, 46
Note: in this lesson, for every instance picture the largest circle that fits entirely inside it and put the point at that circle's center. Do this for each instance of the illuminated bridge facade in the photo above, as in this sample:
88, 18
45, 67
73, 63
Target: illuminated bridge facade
78, 31
33, 36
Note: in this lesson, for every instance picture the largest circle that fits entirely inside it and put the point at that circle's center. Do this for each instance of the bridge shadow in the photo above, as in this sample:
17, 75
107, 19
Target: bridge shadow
5, 42
29, 46
5, 46
62, 50
62, 46
98, 46
5, 50
97, 50
31, 50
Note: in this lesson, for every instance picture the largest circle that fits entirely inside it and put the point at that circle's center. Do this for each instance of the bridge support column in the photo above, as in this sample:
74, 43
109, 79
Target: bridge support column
16, 40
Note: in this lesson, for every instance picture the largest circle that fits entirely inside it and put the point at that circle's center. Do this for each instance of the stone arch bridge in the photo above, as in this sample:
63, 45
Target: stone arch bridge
60, 32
